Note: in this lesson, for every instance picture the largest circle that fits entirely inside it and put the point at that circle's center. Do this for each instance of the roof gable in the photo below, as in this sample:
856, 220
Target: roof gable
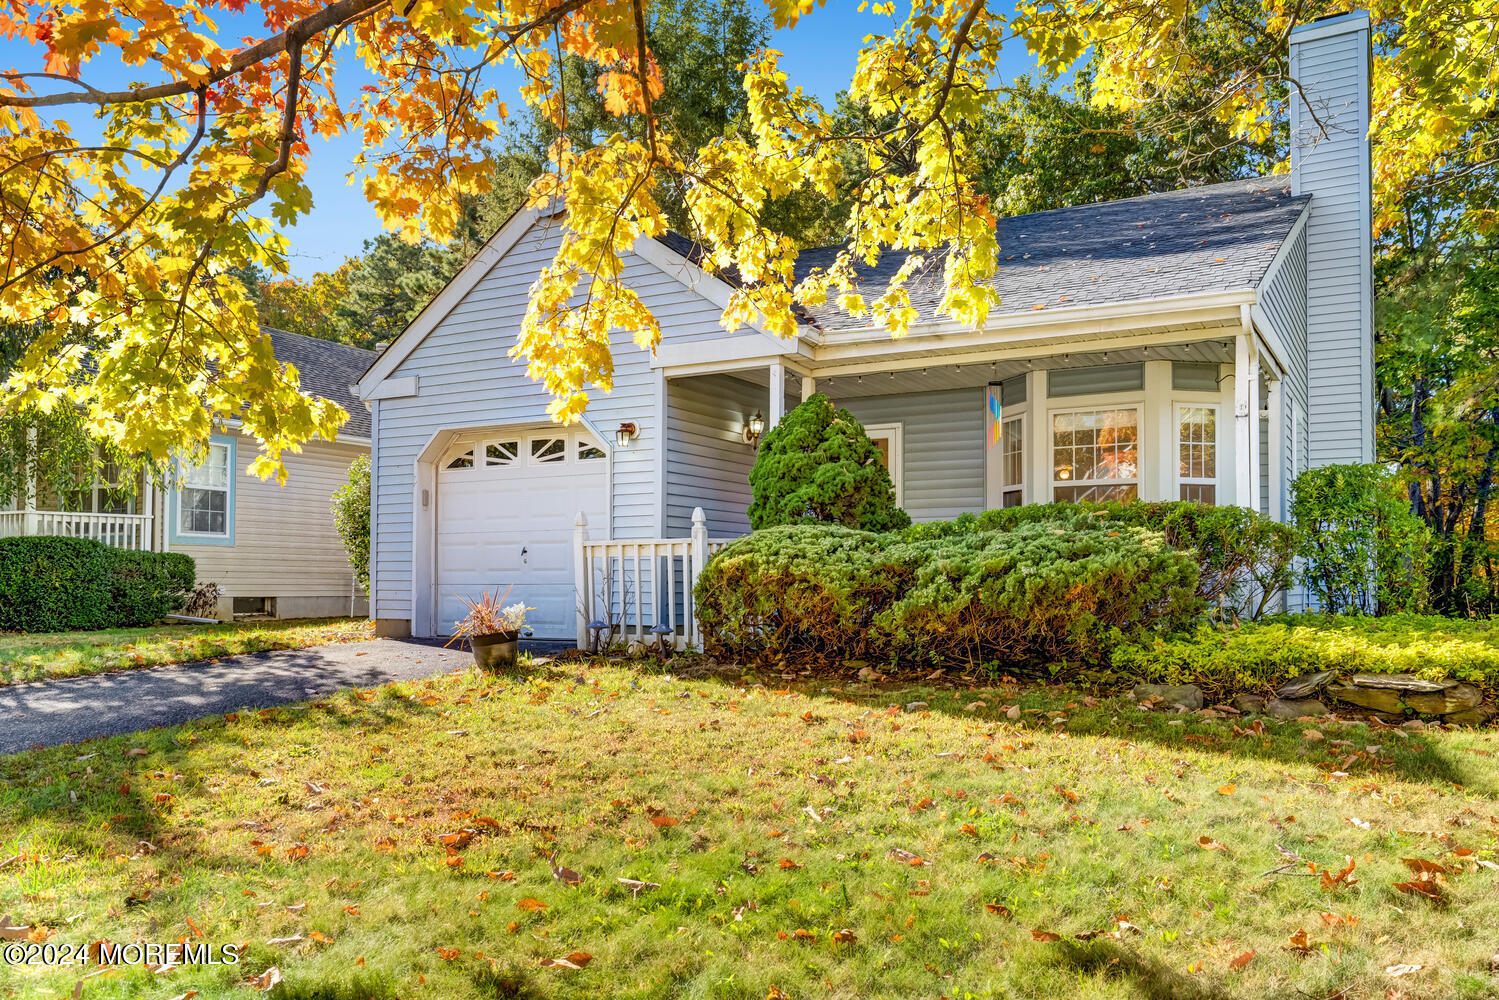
327, 369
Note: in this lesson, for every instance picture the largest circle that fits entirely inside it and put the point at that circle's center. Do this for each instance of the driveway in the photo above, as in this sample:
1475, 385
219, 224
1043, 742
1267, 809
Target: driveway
47, 713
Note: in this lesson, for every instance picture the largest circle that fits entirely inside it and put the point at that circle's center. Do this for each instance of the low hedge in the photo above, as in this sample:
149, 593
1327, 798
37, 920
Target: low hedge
1244, 558
1257, 656
67, 584
1041, 591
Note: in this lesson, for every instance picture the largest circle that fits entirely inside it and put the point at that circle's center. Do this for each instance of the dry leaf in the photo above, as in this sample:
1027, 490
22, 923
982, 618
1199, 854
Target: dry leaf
1209, 844
1241, 961
662, 822
1227, 789
845, 936
1396, 971
1041, 935
267, 980
576, 960
531, 904
1000, 910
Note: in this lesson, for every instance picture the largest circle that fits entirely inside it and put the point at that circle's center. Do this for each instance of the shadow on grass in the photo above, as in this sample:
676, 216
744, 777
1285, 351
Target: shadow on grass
1146, 977
1419, 758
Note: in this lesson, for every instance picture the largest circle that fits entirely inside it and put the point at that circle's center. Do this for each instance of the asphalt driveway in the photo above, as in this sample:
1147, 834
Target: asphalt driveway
47, 713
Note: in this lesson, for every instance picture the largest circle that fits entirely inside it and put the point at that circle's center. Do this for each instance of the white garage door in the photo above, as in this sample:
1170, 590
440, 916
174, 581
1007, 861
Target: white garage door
506, 505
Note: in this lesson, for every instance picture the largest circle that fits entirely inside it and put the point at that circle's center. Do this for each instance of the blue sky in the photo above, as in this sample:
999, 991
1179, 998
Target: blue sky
819, 54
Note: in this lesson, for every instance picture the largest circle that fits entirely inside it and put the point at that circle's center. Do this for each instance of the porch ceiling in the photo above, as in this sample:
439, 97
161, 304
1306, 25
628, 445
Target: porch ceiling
970, 374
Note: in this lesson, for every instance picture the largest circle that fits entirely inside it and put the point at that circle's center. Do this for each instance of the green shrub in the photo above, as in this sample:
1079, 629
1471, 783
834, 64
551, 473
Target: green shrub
66, 584
1365, 551
1262, 655
351, 518
1244, 558
832, 594
818, 465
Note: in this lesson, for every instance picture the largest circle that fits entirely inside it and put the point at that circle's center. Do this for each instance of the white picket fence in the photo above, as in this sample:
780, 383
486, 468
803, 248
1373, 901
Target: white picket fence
633, 584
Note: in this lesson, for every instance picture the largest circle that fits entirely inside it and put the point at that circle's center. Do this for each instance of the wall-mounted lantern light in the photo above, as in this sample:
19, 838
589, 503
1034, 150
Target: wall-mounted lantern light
627, 432
753, 428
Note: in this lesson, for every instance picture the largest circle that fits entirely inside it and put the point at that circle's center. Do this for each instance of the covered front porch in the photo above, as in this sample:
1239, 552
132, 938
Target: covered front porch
117, 513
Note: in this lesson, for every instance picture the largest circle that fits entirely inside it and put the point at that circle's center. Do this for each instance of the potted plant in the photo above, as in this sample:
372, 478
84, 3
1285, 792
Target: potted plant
492, 629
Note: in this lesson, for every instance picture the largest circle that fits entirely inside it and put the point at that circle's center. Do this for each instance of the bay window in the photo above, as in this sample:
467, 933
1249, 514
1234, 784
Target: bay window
1096, 454
1197, 453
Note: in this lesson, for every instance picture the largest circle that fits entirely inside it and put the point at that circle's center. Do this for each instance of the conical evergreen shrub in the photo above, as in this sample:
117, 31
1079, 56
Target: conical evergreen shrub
818, 465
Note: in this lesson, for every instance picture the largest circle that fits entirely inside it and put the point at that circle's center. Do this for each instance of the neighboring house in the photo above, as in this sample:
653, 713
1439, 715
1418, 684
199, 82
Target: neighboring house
271, 549
1204, 344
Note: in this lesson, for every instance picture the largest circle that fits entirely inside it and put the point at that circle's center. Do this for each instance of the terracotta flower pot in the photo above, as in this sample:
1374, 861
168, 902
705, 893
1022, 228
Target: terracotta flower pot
495, 650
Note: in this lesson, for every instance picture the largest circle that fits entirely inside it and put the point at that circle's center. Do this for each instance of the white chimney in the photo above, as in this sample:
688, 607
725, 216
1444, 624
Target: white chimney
1330, 105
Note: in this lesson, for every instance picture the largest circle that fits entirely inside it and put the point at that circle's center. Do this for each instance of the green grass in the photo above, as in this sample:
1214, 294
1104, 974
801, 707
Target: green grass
1075, 815
32, 657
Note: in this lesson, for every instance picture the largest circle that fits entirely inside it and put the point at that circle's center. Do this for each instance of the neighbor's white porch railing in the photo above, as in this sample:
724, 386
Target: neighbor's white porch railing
123, 531
634, 584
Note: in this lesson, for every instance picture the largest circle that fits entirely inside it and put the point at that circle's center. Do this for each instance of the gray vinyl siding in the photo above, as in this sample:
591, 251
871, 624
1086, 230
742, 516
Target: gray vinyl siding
466, 378
942, 448
707, 461
1331, 63
1283, 300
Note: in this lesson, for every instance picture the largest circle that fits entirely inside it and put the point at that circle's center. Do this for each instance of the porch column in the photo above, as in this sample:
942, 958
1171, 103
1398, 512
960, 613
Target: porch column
809, 386
777, 395
1246, 417
28, 501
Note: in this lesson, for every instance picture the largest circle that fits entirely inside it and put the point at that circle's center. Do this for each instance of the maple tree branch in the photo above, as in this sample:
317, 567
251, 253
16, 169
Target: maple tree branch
298, 33
288, 132
643, 64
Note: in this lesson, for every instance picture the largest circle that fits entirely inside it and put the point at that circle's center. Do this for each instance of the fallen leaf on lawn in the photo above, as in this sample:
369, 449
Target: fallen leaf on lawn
576, 960
448, 954
1000, 910
787, 863
1403, 969
1041, 935
457, 841
1241, 961
1227, 789
1067, 794
1332, 919
352, 909
453, 861
1423, 867
636, 886
316, 787
1312, 735
1342, 879
141, 752
802, 934
567, 876
297, 852
185, 996
1423, 887
906, 857
845, 936
530, 904
267, 980
504, 876
1299, 943
662, 822
1209, 844
285, 940
968, 829
320, 937
1362, 824
1012, 713
775, 993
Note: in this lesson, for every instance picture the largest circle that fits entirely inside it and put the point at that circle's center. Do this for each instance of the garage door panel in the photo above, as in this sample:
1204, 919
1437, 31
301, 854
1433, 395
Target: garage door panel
511, 526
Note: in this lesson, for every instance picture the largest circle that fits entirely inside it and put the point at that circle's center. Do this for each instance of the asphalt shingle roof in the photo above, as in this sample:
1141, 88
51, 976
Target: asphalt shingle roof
1217, 237
327, 370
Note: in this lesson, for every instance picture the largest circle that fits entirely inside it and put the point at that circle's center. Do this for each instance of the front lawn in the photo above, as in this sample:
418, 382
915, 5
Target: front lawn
797, 840
31, 657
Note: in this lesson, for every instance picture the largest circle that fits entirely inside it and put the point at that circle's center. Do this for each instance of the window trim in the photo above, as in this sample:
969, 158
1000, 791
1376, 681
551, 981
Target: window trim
897, 468
1022, 418
180, 537
1137, 481
1177, 479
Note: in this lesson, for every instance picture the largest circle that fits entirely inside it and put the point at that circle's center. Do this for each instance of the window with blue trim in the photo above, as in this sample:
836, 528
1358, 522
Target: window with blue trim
203, 502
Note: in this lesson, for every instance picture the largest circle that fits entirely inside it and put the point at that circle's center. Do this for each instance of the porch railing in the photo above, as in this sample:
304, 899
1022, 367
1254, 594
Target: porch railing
633, 584
123, 531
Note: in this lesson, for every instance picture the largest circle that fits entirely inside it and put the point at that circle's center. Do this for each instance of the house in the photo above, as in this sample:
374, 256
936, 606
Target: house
271, 549
1206, 344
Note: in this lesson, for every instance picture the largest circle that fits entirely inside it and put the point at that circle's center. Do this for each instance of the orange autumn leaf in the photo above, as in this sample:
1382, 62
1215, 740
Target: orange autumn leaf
1209, 844
845, 936
448, 954
1227, 789
1068, 794
1000, 910
787, 864
297, 852
530, 904
1241, 961
1046, 936
969, 829
662, 822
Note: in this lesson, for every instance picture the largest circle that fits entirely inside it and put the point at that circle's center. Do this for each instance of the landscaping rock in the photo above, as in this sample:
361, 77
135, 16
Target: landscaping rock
1305, 685
916, 706
1472, 716
1458, 698
1247, 703
1400, 682
1379, 699
1187, 695
1288, 708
